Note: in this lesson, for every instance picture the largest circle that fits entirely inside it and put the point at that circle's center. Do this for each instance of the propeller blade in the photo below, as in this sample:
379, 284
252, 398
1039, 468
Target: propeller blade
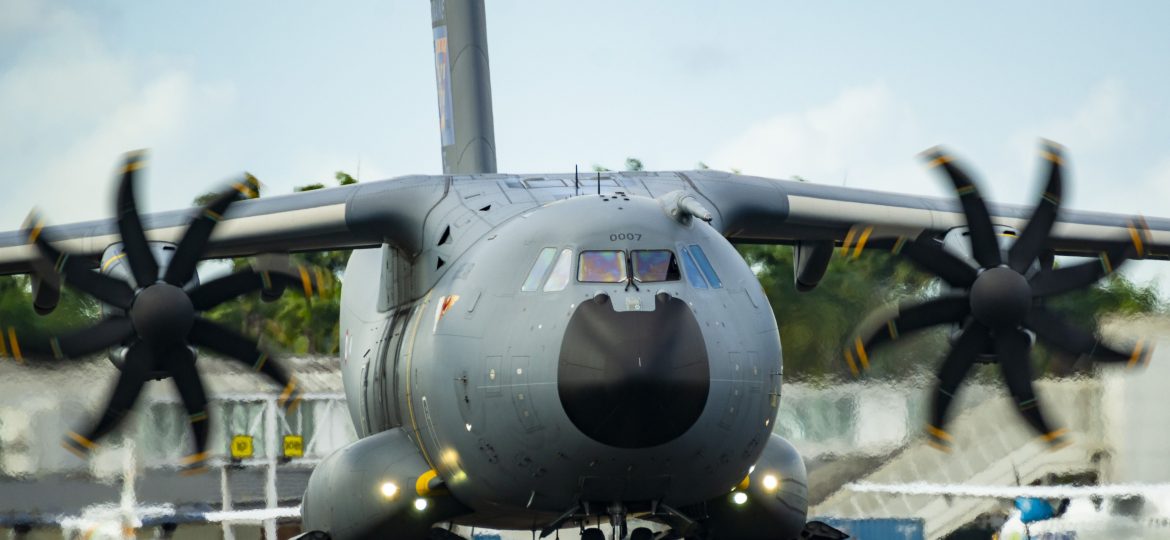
927, 255
272, 281
182, 265
1015, 364
135, 372
1078, 276
77, 274
1028, 245
227, 342
190, 387
910, 318
954, 369
142, 263
45, 297
1055, 332
46, 286
107, 333
984, 247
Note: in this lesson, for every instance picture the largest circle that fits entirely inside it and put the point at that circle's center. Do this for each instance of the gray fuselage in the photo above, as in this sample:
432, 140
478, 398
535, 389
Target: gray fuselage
527, 402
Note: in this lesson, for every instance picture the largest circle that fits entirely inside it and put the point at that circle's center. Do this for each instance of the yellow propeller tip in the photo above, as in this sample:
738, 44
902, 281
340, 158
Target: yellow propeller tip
193, 471
935, 156
939, 446
1051, 144
933, 152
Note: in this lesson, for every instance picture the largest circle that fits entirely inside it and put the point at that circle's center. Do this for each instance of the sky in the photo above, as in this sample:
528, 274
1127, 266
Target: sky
834, 92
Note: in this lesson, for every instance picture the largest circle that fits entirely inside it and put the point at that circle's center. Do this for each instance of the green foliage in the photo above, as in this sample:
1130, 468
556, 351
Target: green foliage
292, 323
1115, 296
75, 310
814, 325
344, 179
632, 164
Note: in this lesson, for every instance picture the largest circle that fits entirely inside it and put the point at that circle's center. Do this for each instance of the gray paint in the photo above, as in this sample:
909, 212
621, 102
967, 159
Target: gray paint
345, 491
490, 362
466, 128
747, 209
478, 386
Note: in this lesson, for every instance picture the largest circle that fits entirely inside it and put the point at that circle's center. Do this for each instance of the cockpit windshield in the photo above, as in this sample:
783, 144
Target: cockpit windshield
602, 267
654, 265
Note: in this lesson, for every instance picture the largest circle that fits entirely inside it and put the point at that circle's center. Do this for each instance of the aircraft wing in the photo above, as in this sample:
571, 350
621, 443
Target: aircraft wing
397, 211
1012, 492
761, 210
358, 215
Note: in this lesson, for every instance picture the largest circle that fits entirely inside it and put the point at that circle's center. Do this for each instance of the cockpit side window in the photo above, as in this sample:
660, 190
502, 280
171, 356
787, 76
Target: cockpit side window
705, 266
692, 270
654, 265
539, 269
602, 267
561, 271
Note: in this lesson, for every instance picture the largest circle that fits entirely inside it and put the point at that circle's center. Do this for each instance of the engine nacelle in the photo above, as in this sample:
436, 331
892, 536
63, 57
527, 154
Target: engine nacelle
377, 487
771, 503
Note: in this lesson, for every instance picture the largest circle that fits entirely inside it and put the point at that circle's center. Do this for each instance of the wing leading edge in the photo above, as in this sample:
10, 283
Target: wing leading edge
746, 210
761, 210
354, 216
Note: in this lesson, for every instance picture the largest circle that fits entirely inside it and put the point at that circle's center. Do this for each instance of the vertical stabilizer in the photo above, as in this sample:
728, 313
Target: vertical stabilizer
464, 85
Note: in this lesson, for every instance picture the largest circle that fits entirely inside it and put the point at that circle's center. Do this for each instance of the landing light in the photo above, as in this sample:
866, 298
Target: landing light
420, 504
389, 490
771, 482
739, 497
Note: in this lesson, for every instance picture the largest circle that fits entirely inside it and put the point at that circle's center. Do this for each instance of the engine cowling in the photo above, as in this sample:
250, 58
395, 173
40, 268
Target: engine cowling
772, 502
377, 487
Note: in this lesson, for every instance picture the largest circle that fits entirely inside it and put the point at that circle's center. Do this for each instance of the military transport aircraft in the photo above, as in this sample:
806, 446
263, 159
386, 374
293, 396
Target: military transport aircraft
535, 351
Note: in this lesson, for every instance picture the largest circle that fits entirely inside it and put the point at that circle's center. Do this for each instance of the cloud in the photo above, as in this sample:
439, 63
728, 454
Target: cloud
77, 105
864, 137
1098, 123
1095, 132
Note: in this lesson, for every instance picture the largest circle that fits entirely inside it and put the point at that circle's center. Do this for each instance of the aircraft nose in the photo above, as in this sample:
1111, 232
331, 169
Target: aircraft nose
633, 379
